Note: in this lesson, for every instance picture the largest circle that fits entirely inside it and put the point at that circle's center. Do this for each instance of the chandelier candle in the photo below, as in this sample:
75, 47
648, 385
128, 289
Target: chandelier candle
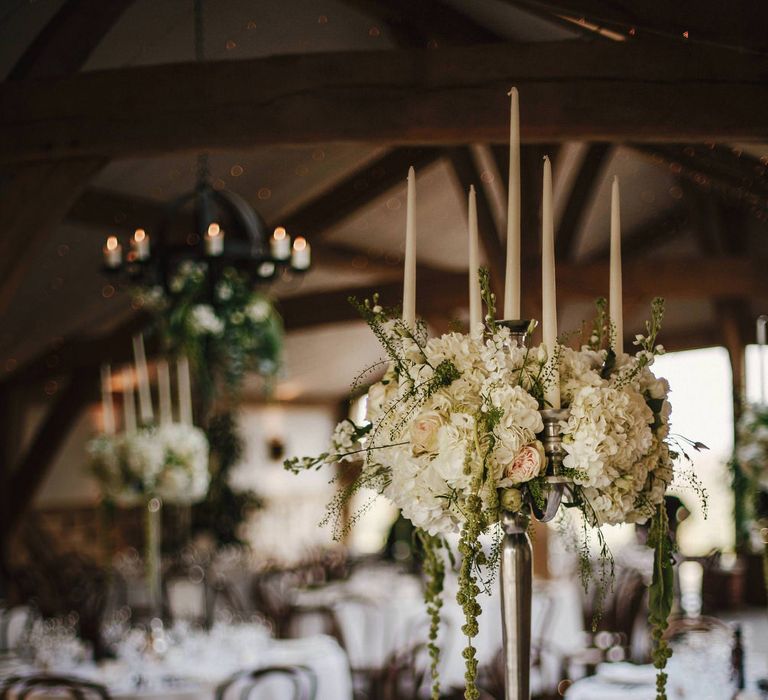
512, 276
615, 310
409, 283
113, 253
280, 244
214, 241
548, 286
107, 408
140, 244
301, 255
475, 304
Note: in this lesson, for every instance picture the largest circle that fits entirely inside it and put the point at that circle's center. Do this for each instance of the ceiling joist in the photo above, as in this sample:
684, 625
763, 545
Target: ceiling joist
696, 278
569, 90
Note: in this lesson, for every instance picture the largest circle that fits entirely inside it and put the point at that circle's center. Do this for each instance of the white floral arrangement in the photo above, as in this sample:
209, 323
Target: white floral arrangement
752, 451
451, 438
232, 323
169, 462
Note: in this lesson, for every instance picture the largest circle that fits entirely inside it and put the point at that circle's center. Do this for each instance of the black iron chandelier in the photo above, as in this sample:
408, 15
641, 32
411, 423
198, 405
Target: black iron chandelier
227, 233
224, 231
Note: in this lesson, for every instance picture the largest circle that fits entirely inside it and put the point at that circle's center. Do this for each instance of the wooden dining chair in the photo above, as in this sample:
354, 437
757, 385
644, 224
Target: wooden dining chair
24, 687
302, 679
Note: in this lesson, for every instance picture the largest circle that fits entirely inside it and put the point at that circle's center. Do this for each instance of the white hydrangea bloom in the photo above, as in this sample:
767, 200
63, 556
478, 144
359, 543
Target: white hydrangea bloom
204, 320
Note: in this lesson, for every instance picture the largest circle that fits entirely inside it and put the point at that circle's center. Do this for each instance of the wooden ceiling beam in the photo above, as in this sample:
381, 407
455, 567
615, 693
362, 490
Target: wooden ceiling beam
580, 197
69, 38
742, 27
355, 191
419, 23
27, 478
466, 172
440, 292
35, 197
736, 176
77, 355
650, 234
107, 209
570, 90
34, 200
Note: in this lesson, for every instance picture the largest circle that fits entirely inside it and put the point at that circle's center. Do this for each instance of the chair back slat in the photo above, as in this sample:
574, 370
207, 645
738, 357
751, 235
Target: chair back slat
303, 681
23, 687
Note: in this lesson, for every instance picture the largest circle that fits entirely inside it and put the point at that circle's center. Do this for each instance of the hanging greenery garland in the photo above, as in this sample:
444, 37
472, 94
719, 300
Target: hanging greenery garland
226, 329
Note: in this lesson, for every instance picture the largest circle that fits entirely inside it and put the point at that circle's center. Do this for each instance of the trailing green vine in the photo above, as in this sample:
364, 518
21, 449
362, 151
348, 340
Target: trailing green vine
660, 595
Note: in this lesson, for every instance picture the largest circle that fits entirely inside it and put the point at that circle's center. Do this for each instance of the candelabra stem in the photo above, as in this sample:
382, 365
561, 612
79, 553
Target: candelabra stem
516, 601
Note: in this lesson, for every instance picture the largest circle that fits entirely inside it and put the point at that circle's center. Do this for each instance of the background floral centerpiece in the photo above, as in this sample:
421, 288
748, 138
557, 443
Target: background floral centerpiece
169, 462
749, 468
226, 329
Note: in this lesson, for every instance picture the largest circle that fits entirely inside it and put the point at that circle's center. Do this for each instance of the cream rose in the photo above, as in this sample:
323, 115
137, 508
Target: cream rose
424, 432
526, 465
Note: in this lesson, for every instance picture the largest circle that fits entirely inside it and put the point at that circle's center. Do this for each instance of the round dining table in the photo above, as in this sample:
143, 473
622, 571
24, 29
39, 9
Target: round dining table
189, 664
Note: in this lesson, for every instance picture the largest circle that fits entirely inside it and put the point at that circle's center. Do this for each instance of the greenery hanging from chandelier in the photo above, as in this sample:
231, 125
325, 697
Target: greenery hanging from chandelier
226, 329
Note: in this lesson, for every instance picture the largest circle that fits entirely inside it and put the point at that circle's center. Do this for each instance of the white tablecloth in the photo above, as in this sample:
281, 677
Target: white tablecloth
380, 612
197, 664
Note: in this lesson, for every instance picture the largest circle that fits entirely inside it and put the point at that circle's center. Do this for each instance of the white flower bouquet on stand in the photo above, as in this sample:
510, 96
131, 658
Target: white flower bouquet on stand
452, 438
169, 462
469, 431
147, 463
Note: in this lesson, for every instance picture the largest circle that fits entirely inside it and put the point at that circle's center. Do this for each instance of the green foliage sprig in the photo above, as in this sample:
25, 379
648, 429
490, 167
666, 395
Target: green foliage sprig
434, 571
660, 595
225, 330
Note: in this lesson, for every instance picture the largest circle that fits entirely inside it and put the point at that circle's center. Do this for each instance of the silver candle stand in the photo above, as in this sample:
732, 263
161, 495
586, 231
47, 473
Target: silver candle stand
517, 553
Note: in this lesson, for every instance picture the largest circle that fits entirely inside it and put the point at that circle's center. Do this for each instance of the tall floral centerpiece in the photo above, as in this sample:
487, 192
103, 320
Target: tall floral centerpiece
226, 329
150, 462
477, 432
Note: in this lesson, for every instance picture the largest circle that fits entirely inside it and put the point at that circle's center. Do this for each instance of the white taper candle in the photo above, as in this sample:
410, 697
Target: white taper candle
409, 278
185, 390
107, 407
129, 405
142, 377
512, 273
615, 306
548, 284
475, 304
761, 340
164, 392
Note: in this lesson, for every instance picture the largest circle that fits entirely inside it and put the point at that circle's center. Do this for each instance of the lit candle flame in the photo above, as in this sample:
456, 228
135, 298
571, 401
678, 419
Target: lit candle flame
280, 234
112, 243
214, 230
139, 235
300, 243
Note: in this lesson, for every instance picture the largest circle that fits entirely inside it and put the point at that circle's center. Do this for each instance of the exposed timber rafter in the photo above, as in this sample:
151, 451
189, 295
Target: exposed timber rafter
569, 90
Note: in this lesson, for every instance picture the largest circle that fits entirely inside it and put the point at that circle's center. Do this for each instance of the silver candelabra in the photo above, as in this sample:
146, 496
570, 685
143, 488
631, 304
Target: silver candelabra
517, 553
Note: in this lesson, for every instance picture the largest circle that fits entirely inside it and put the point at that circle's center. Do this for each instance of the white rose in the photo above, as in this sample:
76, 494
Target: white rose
424, 432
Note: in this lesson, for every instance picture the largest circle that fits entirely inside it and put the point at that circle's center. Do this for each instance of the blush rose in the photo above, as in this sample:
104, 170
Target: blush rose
424, 432
527, 464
